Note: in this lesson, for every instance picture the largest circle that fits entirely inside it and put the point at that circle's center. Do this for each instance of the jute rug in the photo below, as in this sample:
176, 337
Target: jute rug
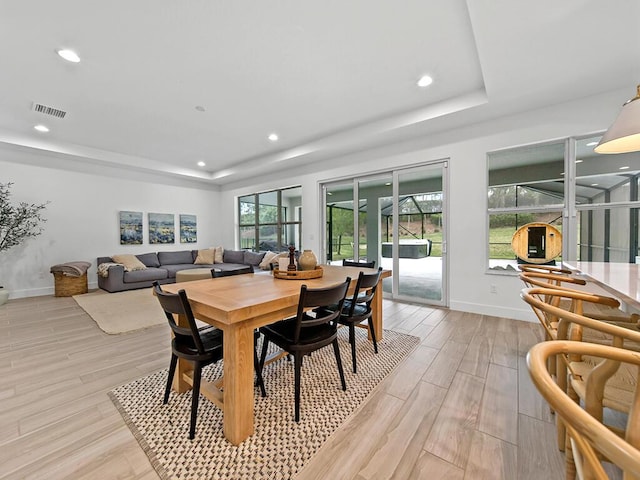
122, 312
279, 447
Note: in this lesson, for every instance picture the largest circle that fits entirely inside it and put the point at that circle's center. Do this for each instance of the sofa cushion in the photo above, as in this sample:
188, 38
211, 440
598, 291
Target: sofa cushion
146, 275
233, 256
149, 259
130, 262
205, 257
253, 258
175, 258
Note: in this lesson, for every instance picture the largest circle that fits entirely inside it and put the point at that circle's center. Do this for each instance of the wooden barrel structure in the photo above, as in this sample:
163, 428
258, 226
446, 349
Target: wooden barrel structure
537, 243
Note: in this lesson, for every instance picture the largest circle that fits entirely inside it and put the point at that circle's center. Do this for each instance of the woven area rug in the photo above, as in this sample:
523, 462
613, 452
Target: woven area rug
279, 447
122, 312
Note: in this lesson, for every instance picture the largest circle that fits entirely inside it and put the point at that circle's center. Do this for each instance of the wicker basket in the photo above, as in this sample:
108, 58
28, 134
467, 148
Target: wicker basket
67, 286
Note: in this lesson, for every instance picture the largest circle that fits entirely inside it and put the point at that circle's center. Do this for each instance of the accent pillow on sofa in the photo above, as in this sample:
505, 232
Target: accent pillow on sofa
149, 259
205, 257
252, 258
218, 256
130, 262
267, 259
233, 256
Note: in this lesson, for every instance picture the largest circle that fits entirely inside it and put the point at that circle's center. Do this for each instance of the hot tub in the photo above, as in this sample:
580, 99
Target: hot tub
408, 248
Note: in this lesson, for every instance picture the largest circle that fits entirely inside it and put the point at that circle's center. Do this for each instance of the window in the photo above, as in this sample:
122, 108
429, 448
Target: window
270, 220
591, 198
526, 185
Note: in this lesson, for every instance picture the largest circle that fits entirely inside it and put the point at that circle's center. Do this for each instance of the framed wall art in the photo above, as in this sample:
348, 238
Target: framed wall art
161, 228
188, 229
130, 228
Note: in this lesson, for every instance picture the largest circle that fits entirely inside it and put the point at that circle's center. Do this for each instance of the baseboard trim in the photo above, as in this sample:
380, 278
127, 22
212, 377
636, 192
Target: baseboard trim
40, 292
526, 315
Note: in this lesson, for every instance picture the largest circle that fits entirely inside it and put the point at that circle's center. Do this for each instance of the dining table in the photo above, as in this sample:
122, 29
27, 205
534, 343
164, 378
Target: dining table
238, 305
621, 280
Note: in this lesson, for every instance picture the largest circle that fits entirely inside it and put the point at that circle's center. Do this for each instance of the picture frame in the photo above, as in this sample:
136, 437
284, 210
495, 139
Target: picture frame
130, 228
188, 228
161, 228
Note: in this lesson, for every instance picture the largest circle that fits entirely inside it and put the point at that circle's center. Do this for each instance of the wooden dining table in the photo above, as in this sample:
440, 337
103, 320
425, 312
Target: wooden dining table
238, 305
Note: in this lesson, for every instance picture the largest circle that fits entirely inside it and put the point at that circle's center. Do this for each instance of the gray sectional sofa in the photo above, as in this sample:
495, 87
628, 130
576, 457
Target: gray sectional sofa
162, 267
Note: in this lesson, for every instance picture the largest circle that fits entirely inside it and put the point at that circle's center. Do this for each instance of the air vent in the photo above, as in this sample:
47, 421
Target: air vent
54, 112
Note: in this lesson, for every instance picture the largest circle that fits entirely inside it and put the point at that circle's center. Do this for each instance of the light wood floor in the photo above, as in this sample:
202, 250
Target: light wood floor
460, 407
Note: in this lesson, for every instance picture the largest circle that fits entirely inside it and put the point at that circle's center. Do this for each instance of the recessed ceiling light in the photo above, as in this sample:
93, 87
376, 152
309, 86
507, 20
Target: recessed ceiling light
425, 81
594, 184
578, 161
592, 144
69, 55
273, 137
201, 163
561, 173
41, 128
388, 184
624, 168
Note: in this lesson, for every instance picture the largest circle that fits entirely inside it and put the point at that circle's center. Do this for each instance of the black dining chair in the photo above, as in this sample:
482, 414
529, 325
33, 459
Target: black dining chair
357, 309
202, 347
215, 273
311, 329
351, 263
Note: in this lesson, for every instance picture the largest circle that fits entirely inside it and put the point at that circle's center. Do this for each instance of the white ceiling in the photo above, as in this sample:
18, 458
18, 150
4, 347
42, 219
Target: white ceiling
328, 77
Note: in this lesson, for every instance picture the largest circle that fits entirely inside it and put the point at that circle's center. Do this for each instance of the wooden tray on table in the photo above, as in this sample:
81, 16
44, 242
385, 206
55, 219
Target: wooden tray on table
298, 274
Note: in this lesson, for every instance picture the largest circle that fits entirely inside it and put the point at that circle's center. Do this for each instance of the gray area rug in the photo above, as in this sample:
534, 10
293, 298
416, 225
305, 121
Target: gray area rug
279, 447
122, 312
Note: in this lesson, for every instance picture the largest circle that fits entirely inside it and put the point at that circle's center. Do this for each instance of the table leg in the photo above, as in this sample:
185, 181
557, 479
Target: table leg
238, 383
376, 312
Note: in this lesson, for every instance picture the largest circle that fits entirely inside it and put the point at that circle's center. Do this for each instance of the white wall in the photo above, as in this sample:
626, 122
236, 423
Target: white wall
82, 216
466, 148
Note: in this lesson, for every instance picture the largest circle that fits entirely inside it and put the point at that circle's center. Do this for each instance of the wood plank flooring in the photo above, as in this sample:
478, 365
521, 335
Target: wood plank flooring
460, 407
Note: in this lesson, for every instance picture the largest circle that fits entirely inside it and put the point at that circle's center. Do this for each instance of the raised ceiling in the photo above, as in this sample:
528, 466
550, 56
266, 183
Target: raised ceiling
329, 77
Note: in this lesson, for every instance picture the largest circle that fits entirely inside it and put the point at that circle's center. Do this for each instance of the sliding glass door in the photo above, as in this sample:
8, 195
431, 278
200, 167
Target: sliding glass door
398, 219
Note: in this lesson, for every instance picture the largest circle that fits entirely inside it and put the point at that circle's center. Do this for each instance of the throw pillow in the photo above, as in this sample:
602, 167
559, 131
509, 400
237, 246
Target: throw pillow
268, 258
252, 258
130, 262
149, 259
205, 257
218, 255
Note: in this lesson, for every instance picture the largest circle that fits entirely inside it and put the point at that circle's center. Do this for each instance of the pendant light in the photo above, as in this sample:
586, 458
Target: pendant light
624, 135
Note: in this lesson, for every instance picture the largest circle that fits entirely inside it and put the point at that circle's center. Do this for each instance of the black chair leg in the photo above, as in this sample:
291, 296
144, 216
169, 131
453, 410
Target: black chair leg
297, 359
373, 335
258, 369
172, 371
195, 392
263, 354
352, 341
336, 350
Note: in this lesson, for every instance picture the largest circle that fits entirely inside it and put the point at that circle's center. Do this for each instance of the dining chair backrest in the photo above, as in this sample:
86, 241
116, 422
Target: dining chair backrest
544, 303
531, 267
365, 291
178, 304
590, 439
319, 298
351, 263
228, 273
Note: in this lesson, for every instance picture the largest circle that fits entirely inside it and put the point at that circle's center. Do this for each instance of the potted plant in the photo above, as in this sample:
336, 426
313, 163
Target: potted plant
17, 223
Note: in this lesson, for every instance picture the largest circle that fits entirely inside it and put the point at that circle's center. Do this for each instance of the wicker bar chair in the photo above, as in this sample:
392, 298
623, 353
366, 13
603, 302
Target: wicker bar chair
589, 441
617, 389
